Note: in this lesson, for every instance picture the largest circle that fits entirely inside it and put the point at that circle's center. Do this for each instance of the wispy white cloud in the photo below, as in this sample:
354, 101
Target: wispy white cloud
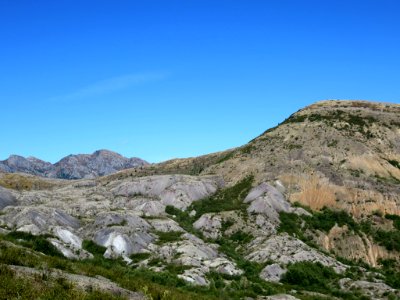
110, 85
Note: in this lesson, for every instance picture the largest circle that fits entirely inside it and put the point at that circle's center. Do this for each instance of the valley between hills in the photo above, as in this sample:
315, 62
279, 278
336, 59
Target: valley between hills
310, 209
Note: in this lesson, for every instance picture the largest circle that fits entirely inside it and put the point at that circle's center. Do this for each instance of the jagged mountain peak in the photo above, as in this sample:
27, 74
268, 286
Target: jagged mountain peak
74, 166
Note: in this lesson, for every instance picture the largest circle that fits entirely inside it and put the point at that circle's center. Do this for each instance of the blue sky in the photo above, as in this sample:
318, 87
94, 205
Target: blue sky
165, 79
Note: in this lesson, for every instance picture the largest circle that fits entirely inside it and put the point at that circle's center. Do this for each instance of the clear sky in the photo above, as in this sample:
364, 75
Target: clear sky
165, 79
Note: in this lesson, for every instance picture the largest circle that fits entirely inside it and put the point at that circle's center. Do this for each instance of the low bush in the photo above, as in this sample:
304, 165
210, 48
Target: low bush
16, 287
227, 199
310, 276
395, 219
36, 242
325, 219
168, 237
389, 239
137, 257
93, 248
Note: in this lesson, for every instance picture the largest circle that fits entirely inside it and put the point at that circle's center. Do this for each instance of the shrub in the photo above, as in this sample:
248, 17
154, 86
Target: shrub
327, 218
241, 237
137, 257
227, 199
395, 219
93, 248
36, 242
168, 237
389, 239
311, 276
290, 223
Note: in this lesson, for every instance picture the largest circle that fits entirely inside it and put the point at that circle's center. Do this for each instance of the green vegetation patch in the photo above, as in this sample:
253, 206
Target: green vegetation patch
323, 220
137, 257
391, 269
22, 182
227, 199
16, 287
389, 239
93, 248
310, 276
291, 224
395, 219
35, 242
394, 163
122, 223
247, 149
168, 237
225, 157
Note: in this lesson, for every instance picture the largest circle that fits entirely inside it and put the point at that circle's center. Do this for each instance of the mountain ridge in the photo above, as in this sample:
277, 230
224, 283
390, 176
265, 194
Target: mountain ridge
74, 166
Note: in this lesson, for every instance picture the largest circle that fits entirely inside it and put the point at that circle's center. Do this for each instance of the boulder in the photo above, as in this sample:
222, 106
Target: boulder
6, 198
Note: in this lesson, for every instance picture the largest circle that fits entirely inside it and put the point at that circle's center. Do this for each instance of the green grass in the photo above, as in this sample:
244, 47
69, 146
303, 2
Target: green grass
227, 199
225, 157
247, 149
138, 257
168, 237
13, 287
291, 224
35, 242
156, 284
93, 248
355, 122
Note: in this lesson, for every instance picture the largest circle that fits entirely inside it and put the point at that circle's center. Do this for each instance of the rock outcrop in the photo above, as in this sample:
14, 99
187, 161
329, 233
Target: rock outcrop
6, 198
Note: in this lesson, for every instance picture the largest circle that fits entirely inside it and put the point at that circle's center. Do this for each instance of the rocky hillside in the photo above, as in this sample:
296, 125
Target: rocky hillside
100, 163
307, 210
337, 153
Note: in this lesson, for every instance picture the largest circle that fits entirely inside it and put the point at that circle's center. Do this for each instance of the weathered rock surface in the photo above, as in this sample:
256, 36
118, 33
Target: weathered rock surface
267, 200
37, 220
279, 297
286, 249
176, 190
211, 224
272, 273
375, 290
6, 198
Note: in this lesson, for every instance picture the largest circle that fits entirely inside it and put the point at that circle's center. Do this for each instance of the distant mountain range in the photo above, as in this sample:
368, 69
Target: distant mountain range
100, 163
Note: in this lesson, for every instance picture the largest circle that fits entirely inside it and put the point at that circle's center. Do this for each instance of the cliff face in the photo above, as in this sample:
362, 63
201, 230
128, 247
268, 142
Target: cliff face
78, 166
